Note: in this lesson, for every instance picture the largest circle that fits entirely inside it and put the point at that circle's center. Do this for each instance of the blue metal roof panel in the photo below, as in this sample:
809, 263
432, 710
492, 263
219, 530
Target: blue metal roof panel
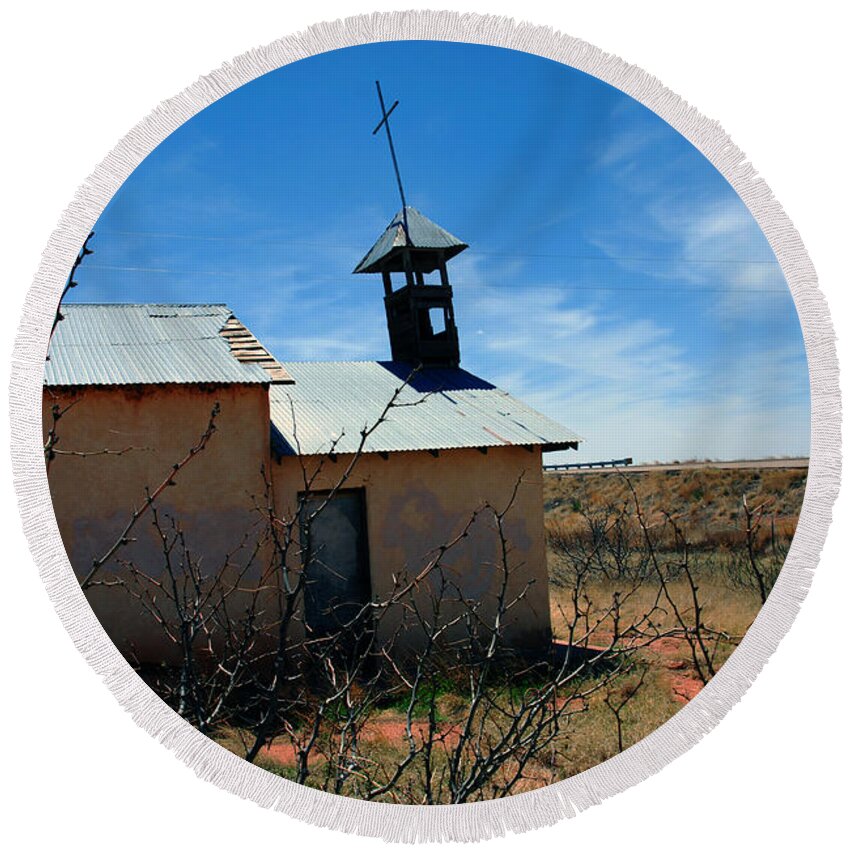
114, 344
330, 403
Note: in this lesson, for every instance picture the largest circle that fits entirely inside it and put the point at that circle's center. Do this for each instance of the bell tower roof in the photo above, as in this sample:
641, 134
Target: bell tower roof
414, 234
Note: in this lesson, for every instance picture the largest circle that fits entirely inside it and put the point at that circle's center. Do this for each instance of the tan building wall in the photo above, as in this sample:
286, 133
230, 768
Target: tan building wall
416, 502
213, 496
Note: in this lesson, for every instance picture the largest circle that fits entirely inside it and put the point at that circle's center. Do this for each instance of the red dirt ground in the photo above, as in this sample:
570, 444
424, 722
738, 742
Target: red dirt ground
683, 686
380, 729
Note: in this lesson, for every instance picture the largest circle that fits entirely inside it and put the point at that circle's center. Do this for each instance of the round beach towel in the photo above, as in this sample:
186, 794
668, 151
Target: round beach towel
425, 410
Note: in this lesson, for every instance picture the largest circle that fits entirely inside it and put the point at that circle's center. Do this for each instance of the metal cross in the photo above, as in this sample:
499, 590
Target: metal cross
385, 122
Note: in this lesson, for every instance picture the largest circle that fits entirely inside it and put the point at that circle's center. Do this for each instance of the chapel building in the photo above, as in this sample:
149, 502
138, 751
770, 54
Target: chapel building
136, 383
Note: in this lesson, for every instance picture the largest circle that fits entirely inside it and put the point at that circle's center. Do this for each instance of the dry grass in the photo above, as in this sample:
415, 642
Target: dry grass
725, 608
707, 504
593, 737
587, 738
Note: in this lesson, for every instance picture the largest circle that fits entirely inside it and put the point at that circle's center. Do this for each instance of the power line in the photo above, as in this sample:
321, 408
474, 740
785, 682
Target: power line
675, 288
475, 252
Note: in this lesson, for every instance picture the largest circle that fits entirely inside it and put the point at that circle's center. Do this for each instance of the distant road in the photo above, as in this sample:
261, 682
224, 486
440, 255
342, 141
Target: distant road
771, 463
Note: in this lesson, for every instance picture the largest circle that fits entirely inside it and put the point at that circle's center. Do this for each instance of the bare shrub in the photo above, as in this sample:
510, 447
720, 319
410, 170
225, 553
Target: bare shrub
479, 718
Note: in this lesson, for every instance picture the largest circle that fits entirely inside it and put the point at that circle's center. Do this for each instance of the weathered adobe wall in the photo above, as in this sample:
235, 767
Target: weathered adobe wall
212, 498
416, 502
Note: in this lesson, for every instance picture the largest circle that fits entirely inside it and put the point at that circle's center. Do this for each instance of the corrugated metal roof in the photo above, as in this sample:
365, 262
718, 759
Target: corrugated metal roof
441, 409
424, 233
103, 344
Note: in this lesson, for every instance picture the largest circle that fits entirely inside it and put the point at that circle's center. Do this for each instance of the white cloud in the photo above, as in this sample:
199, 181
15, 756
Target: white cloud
624, 383
321, 347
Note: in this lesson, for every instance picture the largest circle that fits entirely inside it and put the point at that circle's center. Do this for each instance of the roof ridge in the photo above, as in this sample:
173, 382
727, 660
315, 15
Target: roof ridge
332, 362
73, 304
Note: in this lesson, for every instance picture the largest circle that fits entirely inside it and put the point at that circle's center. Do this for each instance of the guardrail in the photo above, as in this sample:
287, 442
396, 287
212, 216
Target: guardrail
595, 464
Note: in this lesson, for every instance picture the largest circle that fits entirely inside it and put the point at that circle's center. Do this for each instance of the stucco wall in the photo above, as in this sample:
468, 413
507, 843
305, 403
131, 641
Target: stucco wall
416, 502
212, 497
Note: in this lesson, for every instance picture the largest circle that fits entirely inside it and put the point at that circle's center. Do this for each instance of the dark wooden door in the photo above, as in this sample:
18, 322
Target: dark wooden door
336, 555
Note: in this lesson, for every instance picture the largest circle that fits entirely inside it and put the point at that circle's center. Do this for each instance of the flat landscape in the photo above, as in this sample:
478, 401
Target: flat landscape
659, 572
708, 498
762, 463
718, 536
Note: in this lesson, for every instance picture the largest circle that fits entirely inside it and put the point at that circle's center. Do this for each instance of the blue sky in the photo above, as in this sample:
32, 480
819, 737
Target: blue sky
614, 279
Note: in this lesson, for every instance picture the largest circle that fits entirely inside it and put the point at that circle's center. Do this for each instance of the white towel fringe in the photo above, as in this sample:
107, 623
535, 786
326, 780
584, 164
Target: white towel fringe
473, 821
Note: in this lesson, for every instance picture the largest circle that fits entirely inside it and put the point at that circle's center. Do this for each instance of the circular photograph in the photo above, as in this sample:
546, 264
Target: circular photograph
426, 422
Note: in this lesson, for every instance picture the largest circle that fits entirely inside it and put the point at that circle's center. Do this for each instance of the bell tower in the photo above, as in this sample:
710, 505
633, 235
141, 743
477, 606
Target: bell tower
420, 313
